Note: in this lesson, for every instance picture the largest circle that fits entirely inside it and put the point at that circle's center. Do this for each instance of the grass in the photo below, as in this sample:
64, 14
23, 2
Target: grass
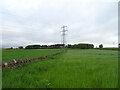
9, 55
73, 69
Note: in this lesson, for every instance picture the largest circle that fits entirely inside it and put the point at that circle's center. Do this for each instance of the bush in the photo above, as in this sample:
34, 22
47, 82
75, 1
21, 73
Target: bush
20, 47
100, 46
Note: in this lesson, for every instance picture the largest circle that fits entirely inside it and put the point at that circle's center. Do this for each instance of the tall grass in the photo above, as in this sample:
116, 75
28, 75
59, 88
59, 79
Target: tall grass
9, 55
73, 69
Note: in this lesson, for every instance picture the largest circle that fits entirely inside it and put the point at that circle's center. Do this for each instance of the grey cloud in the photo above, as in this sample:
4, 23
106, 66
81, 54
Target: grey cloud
87, 22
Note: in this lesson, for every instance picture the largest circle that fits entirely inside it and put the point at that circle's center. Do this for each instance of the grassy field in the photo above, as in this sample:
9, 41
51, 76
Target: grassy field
72, 69
9, 55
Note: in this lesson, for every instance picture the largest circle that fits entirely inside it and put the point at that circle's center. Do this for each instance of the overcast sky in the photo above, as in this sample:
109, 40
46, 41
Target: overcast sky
25, 22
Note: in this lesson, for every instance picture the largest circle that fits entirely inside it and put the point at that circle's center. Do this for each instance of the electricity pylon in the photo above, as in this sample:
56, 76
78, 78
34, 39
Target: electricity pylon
63, 35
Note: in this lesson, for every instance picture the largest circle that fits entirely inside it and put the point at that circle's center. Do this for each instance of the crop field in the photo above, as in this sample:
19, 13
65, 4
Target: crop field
75, 68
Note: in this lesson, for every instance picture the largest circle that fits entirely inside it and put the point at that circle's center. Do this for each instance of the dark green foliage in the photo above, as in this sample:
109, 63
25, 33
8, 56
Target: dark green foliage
69, 46
11, 48
81, 46
55, 46
43, 46
20, 47
100, 46
32, 47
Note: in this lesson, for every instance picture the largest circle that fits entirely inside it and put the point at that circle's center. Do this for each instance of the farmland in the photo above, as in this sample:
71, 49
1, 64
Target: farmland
75, 68
9, 55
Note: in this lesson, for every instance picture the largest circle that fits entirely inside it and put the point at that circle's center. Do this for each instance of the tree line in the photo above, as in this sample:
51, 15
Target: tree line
57, 46
81, 46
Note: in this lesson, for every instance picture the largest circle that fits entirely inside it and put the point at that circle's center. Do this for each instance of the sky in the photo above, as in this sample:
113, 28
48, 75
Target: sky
26, 22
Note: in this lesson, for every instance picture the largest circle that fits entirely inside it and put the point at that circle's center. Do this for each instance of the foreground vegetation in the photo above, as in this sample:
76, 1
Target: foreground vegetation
72, 69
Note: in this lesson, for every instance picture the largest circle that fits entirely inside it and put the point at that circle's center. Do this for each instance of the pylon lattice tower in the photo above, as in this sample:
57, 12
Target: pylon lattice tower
63, 35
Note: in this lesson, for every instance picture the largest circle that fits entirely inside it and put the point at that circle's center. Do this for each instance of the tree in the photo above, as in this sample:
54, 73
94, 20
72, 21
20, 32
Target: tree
20, 47
100, 46
32, 47
81, 46
11, 48
69, 45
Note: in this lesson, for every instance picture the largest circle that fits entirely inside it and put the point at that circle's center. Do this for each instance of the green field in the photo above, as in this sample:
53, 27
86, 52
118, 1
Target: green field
71, 69
20, 54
